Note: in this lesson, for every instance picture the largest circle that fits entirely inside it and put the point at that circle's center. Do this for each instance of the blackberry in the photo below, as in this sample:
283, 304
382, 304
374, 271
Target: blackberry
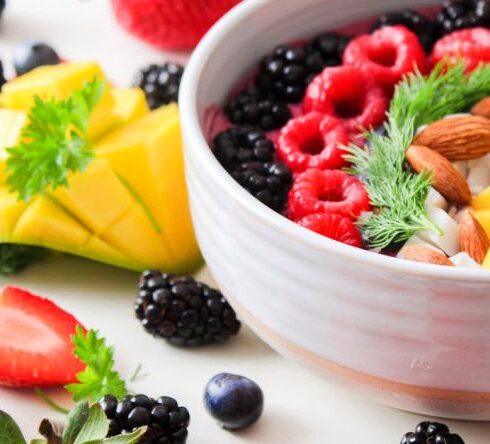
460, 14
160, 83
237, 145
167, 422
269, 182
182, 311
431, 433
413, 20
250, 108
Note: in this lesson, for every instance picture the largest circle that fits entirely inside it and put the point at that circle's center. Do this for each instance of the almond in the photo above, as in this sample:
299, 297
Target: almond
457, 138
446, 178
472, 238
482, 108
427, 255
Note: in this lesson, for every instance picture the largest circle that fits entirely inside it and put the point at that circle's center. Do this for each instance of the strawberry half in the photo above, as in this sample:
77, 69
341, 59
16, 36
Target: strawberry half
35, 341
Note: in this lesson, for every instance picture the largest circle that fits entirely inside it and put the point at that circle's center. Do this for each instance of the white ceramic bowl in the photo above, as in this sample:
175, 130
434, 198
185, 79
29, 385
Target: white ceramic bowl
413, 336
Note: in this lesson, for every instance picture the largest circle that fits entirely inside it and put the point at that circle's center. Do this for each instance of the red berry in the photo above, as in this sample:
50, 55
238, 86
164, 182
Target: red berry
387, 55
473, 45
170, 24
348, 94
334, 226
35, 341
329, 191
313, 141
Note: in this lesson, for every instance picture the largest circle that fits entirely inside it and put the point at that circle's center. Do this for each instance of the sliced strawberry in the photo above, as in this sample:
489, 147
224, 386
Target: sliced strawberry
35, 341
334, 226
330, 191
313, 141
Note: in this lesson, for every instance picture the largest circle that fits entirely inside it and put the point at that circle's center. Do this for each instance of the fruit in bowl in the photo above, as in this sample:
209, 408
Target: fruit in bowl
396, 329
87, 169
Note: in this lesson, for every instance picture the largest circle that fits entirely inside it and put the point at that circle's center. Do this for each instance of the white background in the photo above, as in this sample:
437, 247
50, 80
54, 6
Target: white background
300, 407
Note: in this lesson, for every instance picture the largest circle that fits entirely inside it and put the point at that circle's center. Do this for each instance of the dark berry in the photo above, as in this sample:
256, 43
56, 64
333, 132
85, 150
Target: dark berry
249, 108
268, 182
413, 20
189, 314
2, 7
414, 438
160, 83
2, 76
166, 421
234, 401
237, 145
431, 433
460, 14
32, 55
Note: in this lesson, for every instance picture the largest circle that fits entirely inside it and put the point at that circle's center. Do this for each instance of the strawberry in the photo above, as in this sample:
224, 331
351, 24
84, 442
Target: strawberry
313, 141
170, 24
348, 94
334, 226
330, 191
473, 45
387, 55
35, 341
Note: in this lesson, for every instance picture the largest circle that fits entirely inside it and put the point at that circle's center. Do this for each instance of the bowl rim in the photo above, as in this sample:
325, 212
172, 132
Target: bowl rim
195, 140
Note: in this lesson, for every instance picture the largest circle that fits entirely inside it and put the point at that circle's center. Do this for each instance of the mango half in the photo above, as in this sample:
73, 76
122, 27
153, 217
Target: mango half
129, 208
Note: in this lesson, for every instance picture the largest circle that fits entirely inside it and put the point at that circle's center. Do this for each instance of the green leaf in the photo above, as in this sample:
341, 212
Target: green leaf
96, 426
127, 438
99, 378
75, 422
54, 142
9, 430
38, 441
15, 258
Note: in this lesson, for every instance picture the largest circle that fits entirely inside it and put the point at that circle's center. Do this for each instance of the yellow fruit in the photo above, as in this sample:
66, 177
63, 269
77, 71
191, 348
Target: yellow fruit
10, 211
482, 201
483, 216
11, 123
129, 104
486, 262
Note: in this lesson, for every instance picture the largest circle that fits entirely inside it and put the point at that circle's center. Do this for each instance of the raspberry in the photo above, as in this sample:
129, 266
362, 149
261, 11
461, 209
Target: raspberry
348, 94
312, 141
387, 55
170, 24
334, 226
473, 45
330, 191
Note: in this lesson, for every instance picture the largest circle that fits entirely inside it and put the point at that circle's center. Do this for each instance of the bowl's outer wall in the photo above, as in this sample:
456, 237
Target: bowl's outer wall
406, 327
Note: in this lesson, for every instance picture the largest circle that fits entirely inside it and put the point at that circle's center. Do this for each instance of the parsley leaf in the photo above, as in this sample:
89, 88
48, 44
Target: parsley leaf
53, 143
99, 378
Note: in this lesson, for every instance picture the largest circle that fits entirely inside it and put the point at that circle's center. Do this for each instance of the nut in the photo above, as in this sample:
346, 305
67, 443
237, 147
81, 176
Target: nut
472, 238
482, 108
426, 255
445, 177
457, 138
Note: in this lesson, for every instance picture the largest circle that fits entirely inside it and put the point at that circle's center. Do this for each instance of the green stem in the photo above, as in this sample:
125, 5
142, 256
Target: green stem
50, 402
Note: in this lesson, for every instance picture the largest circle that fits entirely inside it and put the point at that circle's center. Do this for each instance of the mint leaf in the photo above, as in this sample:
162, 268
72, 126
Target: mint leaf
99, 378
53, 143
75, 422
9, 430
96, 426
127, 438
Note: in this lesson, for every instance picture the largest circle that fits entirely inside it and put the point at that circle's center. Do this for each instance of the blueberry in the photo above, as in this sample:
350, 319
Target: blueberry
234, 401
31, 55
2, 7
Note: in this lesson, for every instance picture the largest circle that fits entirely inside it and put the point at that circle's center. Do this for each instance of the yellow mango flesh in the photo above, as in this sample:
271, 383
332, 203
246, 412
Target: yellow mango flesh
129, 104
482, 201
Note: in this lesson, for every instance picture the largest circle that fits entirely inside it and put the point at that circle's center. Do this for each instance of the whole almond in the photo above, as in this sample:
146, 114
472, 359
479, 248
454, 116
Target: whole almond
472, 238
426, 255
482, 108
457, 138
445, 177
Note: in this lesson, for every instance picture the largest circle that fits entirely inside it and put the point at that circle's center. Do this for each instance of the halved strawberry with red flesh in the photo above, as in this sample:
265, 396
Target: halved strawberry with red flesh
334, 226
387, 55
35, 341
472, 45
329, 191
313, 141
348, 94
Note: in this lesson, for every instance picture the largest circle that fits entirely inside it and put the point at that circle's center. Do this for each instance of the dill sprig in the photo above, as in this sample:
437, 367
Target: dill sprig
397, 193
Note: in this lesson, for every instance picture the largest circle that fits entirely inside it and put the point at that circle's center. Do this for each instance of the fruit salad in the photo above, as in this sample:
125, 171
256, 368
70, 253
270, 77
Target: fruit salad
378, 139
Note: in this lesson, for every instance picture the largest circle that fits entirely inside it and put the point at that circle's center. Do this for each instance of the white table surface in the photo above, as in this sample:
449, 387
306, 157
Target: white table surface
299, 406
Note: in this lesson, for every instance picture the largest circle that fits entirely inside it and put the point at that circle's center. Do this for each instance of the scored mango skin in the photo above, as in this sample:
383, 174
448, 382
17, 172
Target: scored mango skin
129, 207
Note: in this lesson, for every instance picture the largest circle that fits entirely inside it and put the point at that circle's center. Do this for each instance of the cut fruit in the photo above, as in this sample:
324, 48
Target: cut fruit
129, 104
483, 216
11, 123
35, 341
448, 240
482, 201
11, 210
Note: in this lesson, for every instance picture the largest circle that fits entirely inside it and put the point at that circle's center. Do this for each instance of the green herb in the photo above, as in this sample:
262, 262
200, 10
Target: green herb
53, 404
15, 258
399, 194
99, 378
54, 142
9, 430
